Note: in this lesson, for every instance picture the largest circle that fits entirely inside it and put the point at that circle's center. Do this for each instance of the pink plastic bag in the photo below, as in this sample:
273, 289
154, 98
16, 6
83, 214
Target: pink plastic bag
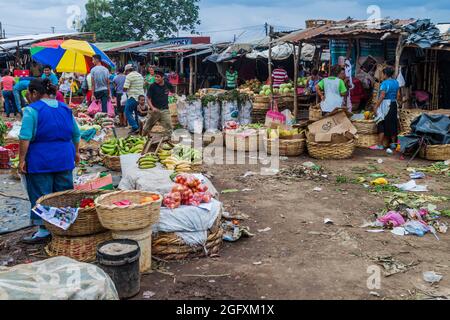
95, 107
392, 217
111, 112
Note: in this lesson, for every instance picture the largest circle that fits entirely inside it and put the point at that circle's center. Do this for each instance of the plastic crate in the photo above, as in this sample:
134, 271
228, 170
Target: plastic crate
4, 159
13, 148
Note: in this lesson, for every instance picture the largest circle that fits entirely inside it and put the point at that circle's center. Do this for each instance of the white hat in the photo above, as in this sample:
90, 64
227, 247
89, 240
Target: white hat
128, 67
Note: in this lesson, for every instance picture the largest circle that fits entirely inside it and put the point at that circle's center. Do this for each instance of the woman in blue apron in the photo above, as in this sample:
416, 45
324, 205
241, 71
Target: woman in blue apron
386, 114
49, 141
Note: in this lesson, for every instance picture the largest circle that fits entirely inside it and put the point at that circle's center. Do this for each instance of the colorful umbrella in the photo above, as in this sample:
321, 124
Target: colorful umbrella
68, 55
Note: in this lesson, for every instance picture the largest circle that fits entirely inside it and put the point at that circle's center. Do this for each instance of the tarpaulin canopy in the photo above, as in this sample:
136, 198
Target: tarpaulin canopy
283, 52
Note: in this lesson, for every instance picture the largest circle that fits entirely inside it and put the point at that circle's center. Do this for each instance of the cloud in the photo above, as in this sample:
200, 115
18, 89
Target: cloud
223, 19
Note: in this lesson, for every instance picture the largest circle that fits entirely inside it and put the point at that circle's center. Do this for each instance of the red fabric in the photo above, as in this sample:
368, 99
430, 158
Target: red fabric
60, 97
358, 93
49, 44
89, 97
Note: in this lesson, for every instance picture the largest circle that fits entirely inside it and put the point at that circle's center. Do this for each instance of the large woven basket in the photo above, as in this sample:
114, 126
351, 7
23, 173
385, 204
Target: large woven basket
135, 217
261, 99
83, 249
439, 152
331, 150
87, 222
259, 115
111, 162
287, 148
261, 106
236, 142
315, 113
406, 118
366, 140
365, 126
168, 246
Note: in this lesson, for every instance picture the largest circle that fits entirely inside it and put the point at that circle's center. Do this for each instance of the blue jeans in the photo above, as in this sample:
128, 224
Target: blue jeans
10, 105
41, 184
131, 113
18, 100
103, 96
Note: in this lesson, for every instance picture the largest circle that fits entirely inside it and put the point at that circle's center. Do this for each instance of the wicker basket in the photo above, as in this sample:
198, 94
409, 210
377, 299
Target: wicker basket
135, 217
111, 162
262, 99
365, 126
439, 152
259, 115
168, 246
87, 222
315, 113
83, 249
366, 140
406, 118
331, 150
234, 141
261, 106
287, 148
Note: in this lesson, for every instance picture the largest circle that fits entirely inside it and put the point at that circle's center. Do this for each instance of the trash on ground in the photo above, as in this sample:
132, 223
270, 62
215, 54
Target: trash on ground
417, 175
257, 263
412, 186
392, 266
399, 231
148, 294
229, 191
233, 231
317, 189
264, 230
431, 277
328, 221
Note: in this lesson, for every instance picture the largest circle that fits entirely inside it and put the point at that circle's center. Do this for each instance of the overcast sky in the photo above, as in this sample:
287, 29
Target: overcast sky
222, 19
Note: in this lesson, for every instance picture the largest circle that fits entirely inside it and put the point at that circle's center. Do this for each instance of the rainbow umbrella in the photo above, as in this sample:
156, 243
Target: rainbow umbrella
68, 55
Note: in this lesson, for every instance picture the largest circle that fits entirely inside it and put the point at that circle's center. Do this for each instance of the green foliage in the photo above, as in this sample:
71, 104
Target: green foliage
122, 20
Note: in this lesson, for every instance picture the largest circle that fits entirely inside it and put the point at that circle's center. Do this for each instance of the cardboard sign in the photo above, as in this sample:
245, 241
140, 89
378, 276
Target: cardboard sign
336, 127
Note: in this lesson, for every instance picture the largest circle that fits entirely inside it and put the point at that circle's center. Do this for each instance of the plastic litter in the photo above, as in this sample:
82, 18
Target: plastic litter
412, 186
393, 219
264, 230
431, 277
417, 175
317, 189
416, 227
399, 231
328, 221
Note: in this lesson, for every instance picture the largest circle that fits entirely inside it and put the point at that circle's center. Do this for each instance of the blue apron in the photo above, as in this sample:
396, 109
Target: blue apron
52, 149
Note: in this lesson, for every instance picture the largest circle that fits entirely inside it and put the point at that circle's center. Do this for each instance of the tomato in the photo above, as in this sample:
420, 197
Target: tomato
155, 197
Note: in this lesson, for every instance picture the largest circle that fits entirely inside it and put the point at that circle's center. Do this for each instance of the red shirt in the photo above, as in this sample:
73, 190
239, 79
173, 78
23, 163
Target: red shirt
8, 83
279, 77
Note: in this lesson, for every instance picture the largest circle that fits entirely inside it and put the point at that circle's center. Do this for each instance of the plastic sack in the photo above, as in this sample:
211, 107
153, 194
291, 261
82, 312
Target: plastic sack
195, 117
401, 79
57, 278
230, 112
111, 111
182, 110
416, 227
95, 107
245, 113
15, 131
124, 99
211, 117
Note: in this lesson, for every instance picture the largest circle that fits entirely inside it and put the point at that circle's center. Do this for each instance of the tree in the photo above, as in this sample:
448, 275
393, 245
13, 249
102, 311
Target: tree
121, 20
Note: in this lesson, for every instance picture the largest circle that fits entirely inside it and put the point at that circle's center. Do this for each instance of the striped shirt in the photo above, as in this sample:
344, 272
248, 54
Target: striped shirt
279, 77
134, 83
232, 79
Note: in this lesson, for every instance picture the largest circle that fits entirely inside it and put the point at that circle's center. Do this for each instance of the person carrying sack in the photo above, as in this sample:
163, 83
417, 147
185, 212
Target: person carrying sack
158, 102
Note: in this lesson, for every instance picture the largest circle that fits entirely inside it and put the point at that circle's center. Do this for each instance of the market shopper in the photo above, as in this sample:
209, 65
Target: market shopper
100, 82
331, 91
6, 87
49, 140
142, 112
119, 82
158, 102
133, 87
232, 78
20, 86
279, 76
48, 74
149, 78
386, 113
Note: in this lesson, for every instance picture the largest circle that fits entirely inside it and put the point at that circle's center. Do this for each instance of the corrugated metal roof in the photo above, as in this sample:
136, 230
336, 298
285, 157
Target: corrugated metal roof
118, 46
11, 43
346, 28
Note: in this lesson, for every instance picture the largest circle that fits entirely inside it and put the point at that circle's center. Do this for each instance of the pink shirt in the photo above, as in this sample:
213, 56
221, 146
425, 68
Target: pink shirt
8, 83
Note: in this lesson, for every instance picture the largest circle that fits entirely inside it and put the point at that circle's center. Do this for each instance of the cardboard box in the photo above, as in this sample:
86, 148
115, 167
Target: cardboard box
336, 127
105, 183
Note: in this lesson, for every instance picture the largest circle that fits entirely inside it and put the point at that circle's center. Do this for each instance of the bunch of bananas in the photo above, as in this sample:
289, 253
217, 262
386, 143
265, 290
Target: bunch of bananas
147, 161
187, 153
165, 152
118, 147
180, 166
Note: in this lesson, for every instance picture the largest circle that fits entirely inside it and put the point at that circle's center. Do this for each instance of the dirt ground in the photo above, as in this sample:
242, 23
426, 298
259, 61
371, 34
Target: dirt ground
300, 257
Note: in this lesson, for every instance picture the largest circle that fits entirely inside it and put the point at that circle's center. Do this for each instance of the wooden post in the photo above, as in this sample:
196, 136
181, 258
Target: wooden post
270, 65
398, 54
195, 72
191, 76
297, 56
